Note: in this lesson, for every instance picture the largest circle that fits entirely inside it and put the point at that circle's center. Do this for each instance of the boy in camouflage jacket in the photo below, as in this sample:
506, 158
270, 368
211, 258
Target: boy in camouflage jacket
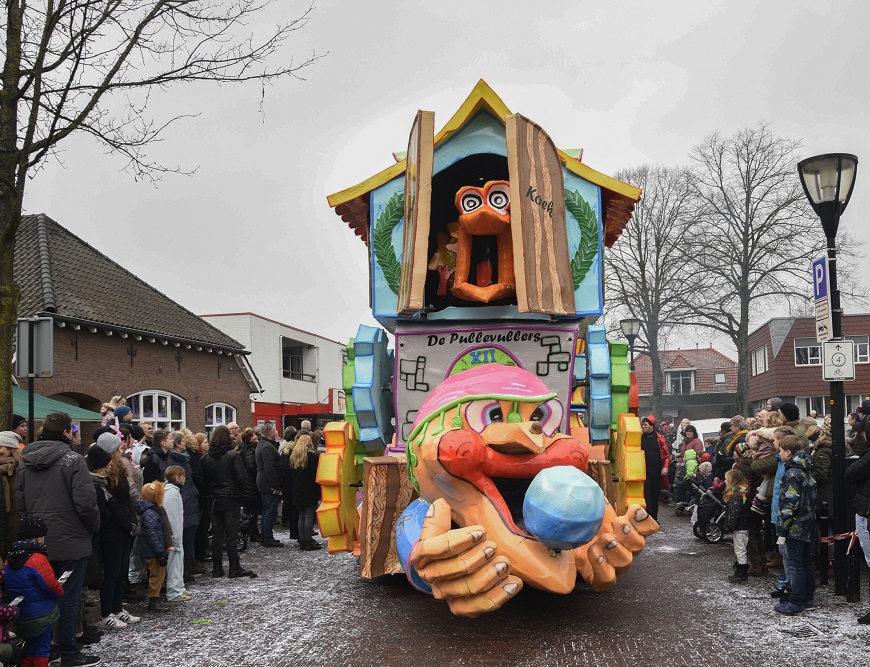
797, 524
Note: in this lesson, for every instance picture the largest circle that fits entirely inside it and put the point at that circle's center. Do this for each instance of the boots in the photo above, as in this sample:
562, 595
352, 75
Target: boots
192, 567
757, 570
865, 619
156, 604
313, 545
242, 572
740, 574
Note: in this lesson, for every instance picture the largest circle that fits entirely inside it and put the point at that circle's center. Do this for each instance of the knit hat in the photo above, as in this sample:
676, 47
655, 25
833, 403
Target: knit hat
705, 468
121, 411
9, 439
98, 458
706, 457
32, 526
790, 411
16, 421
108, 442
775, 402
57, 423
741, 448
650, 419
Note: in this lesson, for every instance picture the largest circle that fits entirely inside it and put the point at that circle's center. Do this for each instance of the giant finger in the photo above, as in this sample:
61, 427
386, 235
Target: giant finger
457, 566
436, 521
475, 605
641, 520
451, 543
603, 573
617, 555
476, 582
627, 535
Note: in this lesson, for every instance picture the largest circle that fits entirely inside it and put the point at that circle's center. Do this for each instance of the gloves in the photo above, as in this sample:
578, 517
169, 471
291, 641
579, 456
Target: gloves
780, 541
163, 560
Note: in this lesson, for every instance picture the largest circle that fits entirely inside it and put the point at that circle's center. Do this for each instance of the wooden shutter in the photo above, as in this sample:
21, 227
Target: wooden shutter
418, 201
540, 239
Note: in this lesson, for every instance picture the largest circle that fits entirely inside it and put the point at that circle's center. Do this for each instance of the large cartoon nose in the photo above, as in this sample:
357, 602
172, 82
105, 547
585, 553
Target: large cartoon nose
515, 438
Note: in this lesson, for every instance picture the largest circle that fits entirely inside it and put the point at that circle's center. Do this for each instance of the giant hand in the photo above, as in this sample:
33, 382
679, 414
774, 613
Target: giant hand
612, 551
461, 565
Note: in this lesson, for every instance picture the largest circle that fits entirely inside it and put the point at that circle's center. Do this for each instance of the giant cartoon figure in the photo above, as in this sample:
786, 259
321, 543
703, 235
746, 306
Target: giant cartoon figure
496, 445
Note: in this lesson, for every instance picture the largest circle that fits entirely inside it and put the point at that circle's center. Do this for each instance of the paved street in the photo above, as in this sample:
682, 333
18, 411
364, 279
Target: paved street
673, 607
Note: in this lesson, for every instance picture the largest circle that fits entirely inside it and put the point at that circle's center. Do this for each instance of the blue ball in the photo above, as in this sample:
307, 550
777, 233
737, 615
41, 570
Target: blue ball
563, 508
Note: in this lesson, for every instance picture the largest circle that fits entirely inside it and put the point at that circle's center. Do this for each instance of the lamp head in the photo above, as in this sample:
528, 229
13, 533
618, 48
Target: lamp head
828, 181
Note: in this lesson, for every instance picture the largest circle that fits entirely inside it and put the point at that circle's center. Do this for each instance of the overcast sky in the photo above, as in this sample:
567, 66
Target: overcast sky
629, 82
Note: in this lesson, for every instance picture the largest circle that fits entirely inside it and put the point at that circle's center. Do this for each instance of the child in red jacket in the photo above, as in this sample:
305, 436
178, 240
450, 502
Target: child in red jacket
29, 574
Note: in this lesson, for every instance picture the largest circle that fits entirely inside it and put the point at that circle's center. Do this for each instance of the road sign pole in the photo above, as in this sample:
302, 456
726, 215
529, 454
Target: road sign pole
31, 374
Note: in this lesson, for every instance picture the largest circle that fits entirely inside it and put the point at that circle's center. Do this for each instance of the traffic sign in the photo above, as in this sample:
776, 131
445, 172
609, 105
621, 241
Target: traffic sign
838, 360
821, 296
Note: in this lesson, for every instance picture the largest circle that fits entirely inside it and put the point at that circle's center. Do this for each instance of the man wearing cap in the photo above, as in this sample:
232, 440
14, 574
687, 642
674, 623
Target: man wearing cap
53, 483
791, 415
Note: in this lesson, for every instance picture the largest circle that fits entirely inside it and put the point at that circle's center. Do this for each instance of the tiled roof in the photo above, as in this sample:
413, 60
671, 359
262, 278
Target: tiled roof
60, 273
706, 362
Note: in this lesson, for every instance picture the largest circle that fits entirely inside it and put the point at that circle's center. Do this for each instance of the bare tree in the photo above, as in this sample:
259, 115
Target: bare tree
89, 66
755, 239
647, 270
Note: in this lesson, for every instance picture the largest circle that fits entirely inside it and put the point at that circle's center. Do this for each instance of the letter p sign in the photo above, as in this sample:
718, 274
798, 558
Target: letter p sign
820, 278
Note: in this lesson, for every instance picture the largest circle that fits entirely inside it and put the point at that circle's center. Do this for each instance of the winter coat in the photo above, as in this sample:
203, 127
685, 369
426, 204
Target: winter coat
29, 574
777, 482
198, 479
797, 500
116, 520
53, 483
173, 505
306, 491
224, 474
8, 512
691, 463
189, 494
693, 444
251, 498
859, 474
822, 474
154, 463
799, 431
737, 508
268, 466
656, 453
7, 613
154, 543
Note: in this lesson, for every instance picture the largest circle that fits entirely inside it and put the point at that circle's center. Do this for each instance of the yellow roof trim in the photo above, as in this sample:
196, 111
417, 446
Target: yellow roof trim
482, 97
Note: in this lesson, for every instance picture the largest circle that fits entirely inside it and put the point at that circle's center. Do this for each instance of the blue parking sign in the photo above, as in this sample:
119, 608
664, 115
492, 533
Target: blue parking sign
820, 279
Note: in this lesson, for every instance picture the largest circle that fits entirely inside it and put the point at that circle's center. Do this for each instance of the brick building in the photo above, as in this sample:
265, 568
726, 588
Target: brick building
697, 383
785, 360
114, 334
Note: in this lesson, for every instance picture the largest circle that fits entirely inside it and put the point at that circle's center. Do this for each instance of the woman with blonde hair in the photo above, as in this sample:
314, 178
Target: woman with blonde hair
306, 490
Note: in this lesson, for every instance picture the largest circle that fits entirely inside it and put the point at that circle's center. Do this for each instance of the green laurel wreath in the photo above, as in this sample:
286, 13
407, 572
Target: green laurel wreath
588, 223
382, 242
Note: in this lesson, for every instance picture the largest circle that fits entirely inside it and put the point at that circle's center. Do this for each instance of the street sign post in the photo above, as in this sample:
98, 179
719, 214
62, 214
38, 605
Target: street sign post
34, 355
838, 360
821, 297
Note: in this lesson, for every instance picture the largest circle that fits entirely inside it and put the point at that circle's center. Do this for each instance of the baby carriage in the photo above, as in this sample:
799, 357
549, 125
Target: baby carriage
708, 517
688, 507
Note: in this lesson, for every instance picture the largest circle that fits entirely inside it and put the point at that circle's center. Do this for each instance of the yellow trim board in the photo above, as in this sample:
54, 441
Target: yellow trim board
482, 97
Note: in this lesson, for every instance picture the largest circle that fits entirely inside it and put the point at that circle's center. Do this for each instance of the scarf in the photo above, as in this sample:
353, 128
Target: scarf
8, 465
22, 550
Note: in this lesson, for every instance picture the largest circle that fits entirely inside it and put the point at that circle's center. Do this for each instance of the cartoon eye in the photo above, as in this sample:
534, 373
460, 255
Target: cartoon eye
470, 201
499, 197
480, 414
550, 415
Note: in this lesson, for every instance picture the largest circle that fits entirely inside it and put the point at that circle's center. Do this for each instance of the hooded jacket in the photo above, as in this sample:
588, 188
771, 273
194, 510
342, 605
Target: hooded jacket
189, 493
247, 453
268, 466
859, 473
737, 508
53, 483
154, 462
29, 574
797, 500
821, 469
691, 462
153, 539
224, 473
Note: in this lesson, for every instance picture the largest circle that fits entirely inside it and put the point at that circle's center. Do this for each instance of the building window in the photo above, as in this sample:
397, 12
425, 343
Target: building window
806, 404
759, 360
217, 414
719, 378
294, 355
162, 409
852, 402
862, 349
680, 382
807, 352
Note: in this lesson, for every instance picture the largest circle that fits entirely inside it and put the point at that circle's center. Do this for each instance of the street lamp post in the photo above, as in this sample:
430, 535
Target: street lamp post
828, 181
630, 328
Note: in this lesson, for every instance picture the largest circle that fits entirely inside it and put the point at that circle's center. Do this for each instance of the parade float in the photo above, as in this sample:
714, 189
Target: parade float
495, 444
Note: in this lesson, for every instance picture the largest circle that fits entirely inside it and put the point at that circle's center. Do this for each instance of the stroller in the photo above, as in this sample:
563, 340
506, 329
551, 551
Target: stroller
688, 507
708, 517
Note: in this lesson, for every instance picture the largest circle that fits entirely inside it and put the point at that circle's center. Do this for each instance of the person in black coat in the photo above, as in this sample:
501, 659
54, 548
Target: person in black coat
251, 500
268, 482
859, 474
224, 476
306, 490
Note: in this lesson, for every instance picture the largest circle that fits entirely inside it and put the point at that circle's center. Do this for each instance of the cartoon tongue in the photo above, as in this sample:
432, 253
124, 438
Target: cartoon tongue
563, 508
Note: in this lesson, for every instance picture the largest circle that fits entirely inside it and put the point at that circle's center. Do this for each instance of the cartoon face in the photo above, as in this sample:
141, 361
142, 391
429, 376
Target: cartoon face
481, 438
484, 211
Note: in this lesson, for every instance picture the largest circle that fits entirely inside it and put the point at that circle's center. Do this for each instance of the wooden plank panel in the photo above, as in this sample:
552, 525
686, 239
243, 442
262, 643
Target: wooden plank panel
540, 238
418, 203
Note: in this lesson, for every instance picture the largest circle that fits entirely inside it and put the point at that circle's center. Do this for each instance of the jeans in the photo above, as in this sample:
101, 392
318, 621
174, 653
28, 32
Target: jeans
306, 521
783, 551
802, 572
116, 562
137, 563
68, 605
188, 539
224, 531
863, 535
270, 513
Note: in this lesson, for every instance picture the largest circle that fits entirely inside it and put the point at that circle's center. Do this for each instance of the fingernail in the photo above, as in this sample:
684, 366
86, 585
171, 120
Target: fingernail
601, 559
476, 535
510, 588
641, 514
501, 567
431, 512
612, 544
626, 529
489, 552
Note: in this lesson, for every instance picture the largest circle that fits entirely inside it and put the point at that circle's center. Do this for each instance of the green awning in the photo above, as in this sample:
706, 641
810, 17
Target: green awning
43, 407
